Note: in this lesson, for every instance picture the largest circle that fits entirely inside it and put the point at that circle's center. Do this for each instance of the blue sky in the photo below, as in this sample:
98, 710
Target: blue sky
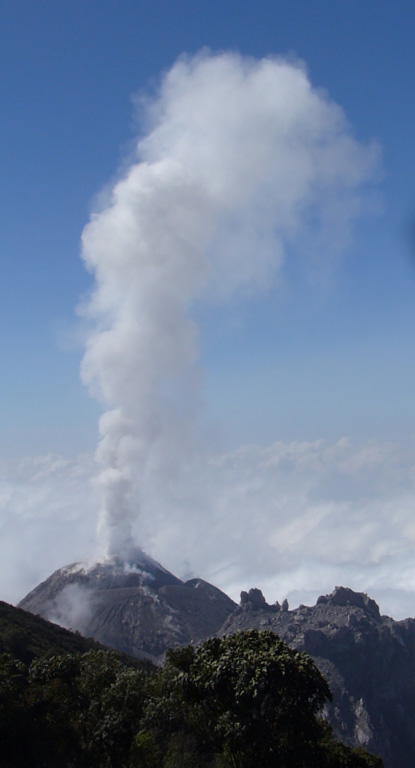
328, 351
325, 357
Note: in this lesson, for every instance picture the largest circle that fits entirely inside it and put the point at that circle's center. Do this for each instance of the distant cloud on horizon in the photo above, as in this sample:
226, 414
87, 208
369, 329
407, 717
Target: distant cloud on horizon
292, 519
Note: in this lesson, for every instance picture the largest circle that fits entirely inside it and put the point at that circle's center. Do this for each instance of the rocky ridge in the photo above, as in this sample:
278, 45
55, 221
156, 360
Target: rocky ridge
368, 660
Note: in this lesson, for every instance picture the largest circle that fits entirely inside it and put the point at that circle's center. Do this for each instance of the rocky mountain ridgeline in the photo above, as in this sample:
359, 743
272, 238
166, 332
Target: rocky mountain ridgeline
368, 659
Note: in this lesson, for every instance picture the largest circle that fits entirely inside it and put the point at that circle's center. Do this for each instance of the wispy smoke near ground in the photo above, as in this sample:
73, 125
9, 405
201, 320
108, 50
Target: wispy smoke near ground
72, 607
238, 159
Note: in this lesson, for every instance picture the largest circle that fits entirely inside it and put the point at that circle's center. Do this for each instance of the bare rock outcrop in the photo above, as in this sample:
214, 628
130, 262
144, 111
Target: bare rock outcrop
368, 660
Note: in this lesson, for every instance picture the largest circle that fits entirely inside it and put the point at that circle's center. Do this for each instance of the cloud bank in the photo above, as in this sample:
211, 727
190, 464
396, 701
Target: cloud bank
238, 160
292, 519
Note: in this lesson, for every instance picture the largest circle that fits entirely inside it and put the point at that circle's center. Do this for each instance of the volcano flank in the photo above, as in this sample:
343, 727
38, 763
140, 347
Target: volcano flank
137, 607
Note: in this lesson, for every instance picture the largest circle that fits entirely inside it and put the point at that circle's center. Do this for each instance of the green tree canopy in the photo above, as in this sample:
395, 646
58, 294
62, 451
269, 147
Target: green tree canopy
245, 700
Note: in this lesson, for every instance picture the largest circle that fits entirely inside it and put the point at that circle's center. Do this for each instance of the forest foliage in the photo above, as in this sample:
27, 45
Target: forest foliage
243, 701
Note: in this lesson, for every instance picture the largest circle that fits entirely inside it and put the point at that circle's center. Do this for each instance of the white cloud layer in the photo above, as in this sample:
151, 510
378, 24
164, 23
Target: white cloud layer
240, 158
47, 515
293, 519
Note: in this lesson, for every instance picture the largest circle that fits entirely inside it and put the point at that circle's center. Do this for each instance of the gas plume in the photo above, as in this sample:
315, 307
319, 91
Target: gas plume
237, 159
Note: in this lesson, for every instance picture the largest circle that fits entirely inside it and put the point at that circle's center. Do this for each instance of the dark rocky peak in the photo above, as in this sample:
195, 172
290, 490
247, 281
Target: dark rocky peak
344, 596
253, 599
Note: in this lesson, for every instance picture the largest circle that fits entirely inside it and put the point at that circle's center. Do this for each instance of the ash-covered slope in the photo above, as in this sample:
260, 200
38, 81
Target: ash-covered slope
368, 660
137, 607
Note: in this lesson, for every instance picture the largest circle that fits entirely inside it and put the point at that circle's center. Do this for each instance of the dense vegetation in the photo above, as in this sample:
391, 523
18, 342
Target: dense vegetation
242, 702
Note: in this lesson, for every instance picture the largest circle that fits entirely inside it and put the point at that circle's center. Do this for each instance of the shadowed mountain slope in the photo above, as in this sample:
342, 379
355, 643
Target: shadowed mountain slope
28, 637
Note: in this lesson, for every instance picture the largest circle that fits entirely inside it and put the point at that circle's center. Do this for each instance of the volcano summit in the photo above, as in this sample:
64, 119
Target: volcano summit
137, 606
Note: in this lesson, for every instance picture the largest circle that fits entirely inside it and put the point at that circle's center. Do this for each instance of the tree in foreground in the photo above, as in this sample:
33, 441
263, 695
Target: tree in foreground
243, 701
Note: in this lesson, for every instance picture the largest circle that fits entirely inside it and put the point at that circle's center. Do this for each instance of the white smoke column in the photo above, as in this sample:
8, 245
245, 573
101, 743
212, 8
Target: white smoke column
240, 155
